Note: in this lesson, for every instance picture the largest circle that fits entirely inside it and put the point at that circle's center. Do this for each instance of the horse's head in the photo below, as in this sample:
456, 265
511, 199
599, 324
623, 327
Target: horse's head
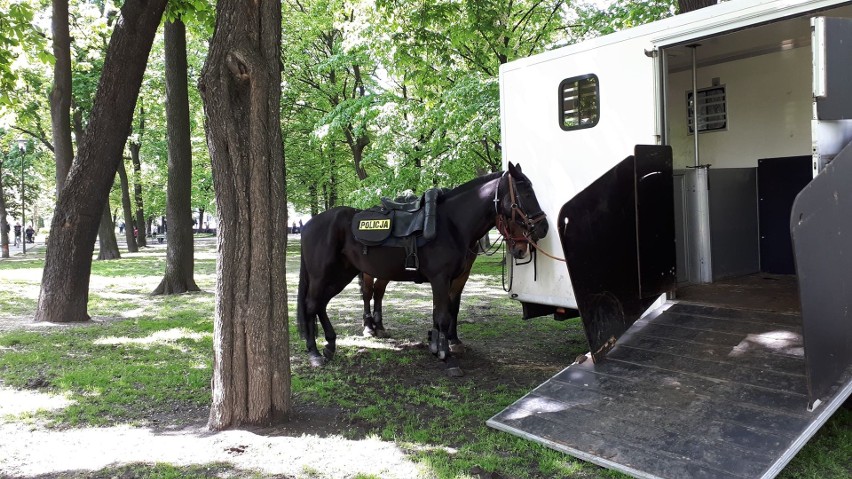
519, 217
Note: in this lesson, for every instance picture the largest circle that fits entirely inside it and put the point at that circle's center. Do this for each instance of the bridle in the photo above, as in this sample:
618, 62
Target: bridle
526, 220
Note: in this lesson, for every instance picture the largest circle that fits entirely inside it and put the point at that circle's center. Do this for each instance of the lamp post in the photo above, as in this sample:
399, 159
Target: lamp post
22, 147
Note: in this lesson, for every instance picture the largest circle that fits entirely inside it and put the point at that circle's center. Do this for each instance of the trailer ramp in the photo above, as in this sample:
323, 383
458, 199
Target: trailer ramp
689, 391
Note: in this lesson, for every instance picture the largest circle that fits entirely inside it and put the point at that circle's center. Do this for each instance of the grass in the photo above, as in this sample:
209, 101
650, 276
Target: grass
147, 363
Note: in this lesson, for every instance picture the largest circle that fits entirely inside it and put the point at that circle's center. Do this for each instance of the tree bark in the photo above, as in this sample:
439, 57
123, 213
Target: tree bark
60, 95
180, 261
68, 263
240, 88
143, 227
690, 5
312, 191
127, 209
106, 237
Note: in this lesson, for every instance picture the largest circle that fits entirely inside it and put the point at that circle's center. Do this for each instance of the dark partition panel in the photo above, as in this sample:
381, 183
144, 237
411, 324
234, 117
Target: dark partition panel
779, 180
821, 227
733, 219
618, 267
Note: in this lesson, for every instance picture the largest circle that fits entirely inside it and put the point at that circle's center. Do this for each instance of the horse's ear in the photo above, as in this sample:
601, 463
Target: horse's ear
514, 169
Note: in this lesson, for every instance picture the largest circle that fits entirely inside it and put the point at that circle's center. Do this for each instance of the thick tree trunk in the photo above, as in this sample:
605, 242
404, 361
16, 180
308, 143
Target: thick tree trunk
60, 95
108, 245
127, 209
240, 87
179, 276
68, 263
143, 227
690, 5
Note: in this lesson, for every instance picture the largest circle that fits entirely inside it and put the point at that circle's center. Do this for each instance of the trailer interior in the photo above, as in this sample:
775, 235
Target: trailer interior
746, 359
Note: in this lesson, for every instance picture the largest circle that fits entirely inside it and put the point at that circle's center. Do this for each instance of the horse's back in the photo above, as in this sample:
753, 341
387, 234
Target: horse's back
327, 228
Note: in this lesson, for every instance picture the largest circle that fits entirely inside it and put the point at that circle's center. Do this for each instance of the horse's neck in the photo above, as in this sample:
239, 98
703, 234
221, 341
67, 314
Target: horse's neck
473, 211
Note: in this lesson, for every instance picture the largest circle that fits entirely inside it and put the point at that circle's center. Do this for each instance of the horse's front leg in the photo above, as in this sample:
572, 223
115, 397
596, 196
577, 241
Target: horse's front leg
367, 289
456, 288
442, 320
379, 288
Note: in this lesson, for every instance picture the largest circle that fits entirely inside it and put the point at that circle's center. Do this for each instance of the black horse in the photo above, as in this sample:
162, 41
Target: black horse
332, 257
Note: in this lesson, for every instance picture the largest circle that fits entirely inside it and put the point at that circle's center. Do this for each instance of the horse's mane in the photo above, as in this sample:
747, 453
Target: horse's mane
470, 185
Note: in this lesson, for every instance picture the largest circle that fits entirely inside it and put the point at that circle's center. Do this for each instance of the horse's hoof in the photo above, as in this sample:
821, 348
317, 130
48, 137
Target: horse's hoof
381, 333
457, 347
369, 332
316, 360
328, 352
455, 372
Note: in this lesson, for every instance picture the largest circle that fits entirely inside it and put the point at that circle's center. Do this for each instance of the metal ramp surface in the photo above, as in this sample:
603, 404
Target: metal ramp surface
689, 391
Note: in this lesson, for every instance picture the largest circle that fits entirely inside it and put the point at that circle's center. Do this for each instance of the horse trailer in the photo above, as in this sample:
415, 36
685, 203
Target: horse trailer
697, 175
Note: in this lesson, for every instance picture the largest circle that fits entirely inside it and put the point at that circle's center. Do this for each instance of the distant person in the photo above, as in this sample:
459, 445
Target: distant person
121, 227
30, 233
135, 232
17, 233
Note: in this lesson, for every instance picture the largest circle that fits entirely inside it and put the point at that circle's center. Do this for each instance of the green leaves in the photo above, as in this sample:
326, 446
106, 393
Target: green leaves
18, 34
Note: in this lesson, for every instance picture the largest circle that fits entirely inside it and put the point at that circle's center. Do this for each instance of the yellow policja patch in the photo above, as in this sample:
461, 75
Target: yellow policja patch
374, 225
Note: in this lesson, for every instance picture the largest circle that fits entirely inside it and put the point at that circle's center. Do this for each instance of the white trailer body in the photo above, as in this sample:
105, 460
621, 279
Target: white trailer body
763, 60
667, 158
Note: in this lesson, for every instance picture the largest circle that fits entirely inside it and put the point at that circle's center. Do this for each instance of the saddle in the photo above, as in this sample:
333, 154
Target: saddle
405, 222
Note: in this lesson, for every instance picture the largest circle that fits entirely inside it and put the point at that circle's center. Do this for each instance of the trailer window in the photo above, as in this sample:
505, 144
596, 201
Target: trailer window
712, 110
579, 106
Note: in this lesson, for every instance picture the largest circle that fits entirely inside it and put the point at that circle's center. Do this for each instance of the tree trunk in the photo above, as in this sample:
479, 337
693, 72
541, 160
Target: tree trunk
690, 5
312, 191
240, 88
180, 259
60, 95
106, 237
68, 263
141, 240
4, 226
128, 209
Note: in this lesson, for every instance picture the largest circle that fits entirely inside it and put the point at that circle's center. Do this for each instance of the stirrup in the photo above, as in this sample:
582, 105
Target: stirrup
412, 263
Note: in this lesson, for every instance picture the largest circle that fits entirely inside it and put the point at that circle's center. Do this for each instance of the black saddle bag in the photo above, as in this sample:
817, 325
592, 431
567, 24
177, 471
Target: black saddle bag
372, 227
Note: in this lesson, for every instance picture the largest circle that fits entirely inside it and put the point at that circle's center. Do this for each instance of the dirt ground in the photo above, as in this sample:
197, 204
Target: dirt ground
316, 442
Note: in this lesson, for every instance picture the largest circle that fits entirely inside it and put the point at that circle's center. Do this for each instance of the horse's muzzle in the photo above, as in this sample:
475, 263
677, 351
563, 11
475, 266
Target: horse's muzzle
539, 229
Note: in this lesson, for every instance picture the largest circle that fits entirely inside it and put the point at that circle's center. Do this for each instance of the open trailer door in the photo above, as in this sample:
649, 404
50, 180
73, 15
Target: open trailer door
821, 223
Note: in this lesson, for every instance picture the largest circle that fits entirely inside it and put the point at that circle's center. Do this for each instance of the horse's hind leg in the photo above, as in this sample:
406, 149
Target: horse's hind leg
330, 334
312, 308
378, 294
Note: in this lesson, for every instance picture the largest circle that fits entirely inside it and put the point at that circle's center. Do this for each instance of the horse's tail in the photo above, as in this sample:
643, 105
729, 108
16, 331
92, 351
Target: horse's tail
301, 309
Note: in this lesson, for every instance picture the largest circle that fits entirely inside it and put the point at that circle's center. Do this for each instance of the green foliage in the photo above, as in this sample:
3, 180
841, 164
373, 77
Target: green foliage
17, 34
619, 15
